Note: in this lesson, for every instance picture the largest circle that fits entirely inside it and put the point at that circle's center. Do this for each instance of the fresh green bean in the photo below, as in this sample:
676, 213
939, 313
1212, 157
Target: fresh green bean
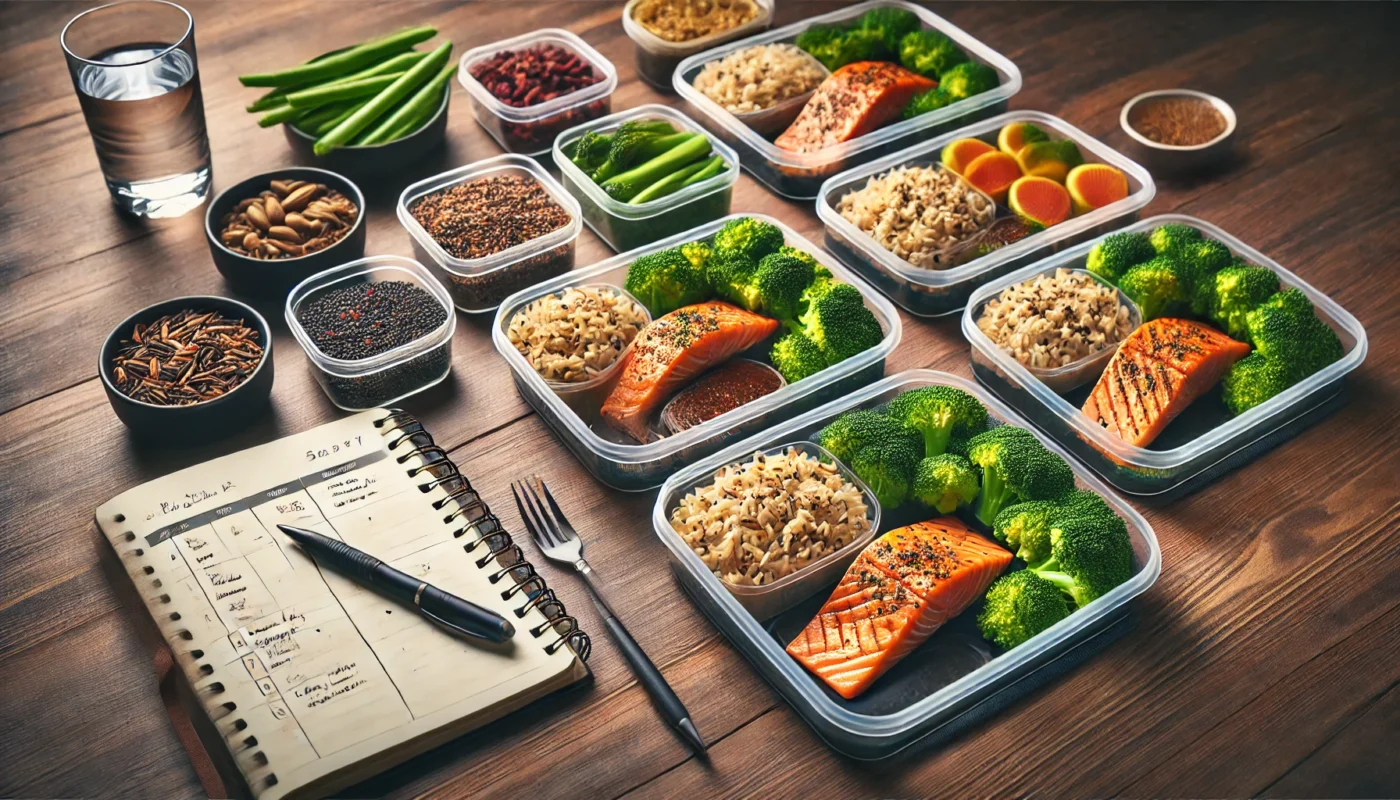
327, 126
427, 96
279, 115
342, 63
316, 117
397, 64
712, 168
669, 184
335, 92
271, 100
385, 100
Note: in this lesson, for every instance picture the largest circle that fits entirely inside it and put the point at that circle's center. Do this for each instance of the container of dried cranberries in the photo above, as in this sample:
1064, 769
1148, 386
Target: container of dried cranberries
527, 89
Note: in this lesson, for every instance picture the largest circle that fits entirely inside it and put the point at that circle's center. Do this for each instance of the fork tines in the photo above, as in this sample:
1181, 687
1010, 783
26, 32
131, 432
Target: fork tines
549, 530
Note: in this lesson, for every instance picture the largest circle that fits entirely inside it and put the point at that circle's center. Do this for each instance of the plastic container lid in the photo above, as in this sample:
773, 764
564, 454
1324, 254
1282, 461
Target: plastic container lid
658, 46
555, 36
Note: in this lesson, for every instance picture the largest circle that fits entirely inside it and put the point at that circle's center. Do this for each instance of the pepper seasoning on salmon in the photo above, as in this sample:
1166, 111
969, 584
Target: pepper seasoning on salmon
900, 589
673, 351
1160, 369
852, 101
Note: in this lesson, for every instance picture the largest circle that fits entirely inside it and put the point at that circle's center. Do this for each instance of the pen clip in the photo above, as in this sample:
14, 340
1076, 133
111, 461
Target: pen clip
454, 628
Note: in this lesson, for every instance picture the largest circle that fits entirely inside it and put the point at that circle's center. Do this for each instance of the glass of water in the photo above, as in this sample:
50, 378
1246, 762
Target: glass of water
133, 65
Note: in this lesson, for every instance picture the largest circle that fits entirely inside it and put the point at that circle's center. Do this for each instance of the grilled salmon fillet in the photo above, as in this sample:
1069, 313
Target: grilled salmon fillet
1159, 370
671, 352
900, 590
852, 101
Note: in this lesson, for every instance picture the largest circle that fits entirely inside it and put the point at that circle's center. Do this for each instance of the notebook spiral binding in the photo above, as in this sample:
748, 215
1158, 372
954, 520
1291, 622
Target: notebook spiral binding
468, 511
464, 508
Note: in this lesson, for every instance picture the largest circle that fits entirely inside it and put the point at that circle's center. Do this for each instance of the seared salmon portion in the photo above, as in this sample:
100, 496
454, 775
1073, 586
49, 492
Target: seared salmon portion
674, 350
900, 589
852, 101
1159, 370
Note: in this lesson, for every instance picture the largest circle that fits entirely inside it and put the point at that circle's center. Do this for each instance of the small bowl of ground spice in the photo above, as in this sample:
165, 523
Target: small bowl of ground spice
666, 32
492, 228
1178, 131
188, 370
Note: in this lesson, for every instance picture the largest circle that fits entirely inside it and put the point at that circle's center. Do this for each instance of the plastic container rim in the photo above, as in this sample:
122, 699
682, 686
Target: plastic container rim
541, 110
1055, 233
660, 205
347, 368
642, 453
655, 45
476, 267
1179, 456
901, 722
821, 158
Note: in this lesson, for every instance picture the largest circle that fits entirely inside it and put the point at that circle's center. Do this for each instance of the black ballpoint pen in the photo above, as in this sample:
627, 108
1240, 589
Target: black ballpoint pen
448, 610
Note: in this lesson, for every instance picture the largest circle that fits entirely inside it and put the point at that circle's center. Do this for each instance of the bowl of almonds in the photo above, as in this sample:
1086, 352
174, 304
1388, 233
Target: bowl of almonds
272, 231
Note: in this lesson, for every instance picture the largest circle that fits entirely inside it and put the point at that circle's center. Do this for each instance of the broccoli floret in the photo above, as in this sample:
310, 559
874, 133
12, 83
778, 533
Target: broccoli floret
958, 444
666, 280
937, 412
1116, 253
840, 323
836, 47
1156, 286
780, 281
1252, 380
891, 24
697, 253
797, 357
848, 433
637, 142
1019, 606
1089, 556
924, 102
590, 151
803, 255
748, 237
1285, 328
821, 41
1239, 290
945, 482
818, 289
1198, 263
929, 53
731, 276
1025, 528
1173, 236
1015, 467
969, 78
1291, 300
887, 467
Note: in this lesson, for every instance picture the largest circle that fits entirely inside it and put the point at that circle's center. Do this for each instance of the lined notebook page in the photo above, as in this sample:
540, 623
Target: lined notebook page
324, 674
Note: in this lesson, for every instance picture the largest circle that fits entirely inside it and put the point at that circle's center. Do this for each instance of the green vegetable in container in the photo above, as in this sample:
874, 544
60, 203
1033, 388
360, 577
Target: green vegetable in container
1174, 236
1253, 380
343, 63
629, 184
749, 237
924, 102
936, 413
636, 142
414, 112
796, 357
698, 253
890, 24
789, 250
670, 184
887, 467
969, 78
840, 323
1025, 528
1156, 286
780, 281
381, 103
665, 281
1116, 253
836, 47
1015, 467
1285, 328
1237, 290
945, 482
929, 53
730, 274
1089, 556
590, 151
850, 432
1200, 261
1018, 607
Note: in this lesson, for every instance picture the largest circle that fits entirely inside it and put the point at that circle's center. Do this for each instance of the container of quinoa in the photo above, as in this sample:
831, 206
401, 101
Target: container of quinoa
376, 330
578, 336
491, 228
666, 32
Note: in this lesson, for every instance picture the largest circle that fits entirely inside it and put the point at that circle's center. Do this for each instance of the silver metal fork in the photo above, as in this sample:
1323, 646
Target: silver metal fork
559, 542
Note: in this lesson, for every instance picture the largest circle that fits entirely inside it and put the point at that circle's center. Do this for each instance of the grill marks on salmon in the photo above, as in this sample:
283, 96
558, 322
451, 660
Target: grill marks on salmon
852, 101
1160, 369
674, 350
900, 589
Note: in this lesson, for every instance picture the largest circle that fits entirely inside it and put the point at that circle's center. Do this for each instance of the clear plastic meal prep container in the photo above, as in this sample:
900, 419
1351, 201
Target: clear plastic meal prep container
936, 292
530, 130
386, 378
799, 175
478, 285
617, 460
625, 226
954, 676
1202, 443
657, 58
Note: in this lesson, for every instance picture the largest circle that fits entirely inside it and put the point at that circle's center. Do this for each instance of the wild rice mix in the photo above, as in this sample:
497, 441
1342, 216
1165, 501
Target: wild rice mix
1055, 320
573, 335
759, 77
769, 517
485, 216
917, 213
684, 20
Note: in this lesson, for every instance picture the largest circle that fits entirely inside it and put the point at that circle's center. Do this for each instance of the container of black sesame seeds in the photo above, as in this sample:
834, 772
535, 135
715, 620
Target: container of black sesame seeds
491, 228
376, 330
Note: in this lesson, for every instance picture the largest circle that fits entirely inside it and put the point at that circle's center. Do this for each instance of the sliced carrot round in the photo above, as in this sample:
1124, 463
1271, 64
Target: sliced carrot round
993, 173
958, 153
1094, 186
1039, 200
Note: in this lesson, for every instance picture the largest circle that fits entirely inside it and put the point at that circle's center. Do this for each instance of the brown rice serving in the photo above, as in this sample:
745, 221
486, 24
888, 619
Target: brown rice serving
770, 516
573, 335
1052, 321
759, 77
918, 213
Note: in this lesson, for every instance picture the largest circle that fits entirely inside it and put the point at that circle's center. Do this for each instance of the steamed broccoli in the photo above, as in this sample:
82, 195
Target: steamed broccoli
1286, 329
748, 237
1025, 528
945, 482
1173, 236
1252, 380
796, 357
937, 412
635, 142
969, 78
590, 151
1015, 467
1089, 556
1237, 291
803, 255
887, 467
780, 281
891, 24
958, 444
1018, 607
924, 102
1116, 253
836, 47
929, 53
666, 280
818, 289
853, 430
1198, 262
840, 324
1155, 286
697, 253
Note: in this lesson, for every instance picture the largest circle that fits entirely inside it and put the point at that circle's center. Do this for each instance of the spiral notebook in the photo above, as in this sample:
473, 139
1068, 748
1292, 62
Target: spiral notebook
314, 682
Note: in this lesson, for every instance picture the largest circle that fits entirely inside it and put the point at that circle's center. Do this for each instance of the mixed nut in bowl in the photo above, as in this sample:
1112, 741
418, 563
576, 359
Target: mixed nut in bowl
272, 231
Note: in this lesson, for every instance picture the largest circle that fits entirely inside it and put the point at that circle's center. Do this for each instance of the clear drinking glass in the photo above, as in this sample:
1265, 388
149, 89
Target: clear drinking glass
133, 65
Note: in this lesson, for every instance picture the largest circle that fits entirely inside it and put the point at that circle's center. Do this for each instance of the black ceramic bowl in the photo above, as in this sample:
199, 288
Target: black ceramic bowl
371, 163
275, 277
203, 421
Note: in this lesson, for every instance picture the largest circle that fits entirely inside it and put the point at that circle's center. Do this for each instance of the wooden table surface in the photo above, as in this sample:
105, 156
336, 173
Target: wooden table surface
1265, 660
